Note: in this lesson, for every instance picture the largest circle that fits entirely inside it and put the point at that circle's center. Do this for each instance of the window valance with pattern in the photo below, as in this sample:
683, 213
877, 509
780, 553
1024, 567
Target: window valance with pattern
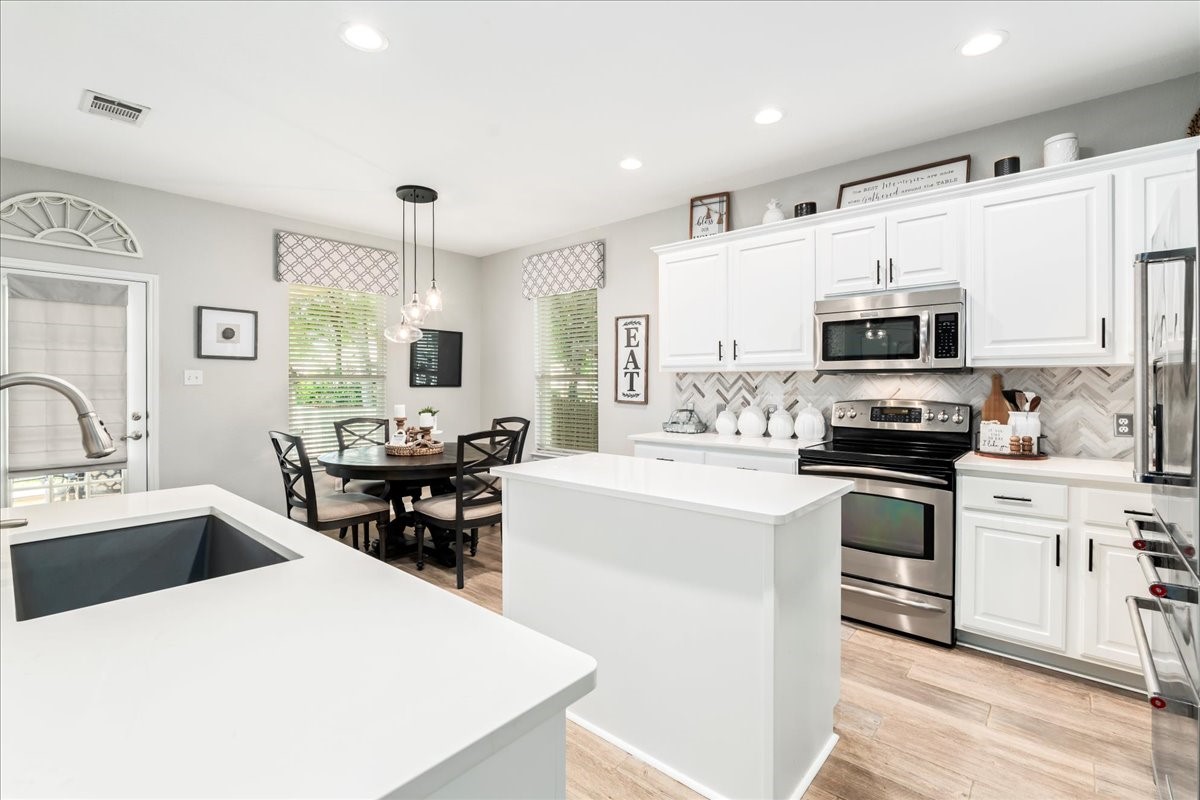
562, 271
315, 261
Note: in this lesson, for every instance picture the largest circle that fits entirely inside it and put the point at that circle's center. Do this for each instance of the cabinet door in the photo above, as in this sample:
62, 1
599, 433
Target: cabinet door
850, 256
1041, 261
687, 455
1108, 573
771, 285
786, 464
693, 309
925, 245
1011, 579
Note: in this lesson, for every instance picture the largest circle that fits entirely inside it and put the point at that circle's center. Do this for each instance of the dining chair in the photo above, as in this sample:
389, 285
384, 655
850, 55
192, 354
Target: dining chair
521, 426
474, 503
341, 510
363, 432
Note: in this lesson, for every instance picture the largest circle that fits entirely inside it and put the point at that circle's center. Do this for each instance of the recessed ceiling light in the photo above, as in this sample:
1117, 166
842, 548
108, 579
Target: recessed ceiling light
363, 37
630, 163
982, 43
768, 116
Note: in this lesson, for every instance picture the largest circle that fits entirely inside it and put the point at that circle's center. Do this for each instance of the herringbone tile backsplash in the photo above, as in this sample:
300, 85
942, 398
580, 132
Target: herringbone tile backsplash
1076, 411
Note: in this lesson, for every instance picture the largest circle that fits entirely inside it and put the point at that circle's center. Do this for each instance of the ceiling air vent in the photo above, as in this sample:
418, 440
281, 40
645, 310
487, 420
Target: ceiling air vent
105, 106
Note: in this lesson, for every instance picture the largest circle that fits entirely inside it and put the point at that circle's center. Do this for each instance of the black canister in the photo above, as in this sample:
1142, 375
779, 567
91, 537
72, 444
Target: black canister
1008, 166
804, 209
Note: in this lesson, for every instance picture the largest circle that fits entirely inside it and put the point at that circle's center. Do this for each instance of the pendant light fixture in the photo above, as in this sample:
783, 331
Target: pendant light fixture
402, 332
415, 311
433, 298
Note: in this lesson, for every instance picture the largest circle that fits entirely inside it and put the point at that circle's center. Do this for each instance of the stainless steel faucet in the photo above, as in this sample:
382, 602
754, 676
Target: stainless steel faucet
97, 442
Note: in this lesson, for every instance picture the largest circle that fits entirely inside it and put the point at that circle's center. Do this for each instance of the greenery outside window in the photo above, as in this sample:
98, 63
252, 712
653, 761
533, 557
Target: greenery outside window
566, 377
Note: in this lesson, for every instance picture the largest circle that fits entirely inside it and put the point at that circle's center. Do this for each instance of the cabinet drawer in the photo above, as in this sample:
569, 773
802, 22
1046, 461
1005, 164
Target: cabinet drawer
786, 465
688, 455
1103, 507
1014, 497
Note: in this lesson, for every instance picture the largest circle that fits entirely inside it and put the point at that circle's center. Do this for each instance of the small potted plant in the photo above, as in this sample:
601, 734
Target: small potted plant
428, 417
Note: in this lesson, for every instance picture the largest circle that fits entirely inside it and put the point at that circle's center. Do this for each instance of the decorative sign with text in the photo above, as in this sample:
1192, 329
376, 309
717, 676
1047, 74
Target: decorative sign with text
633, 349
950, 172
993, 437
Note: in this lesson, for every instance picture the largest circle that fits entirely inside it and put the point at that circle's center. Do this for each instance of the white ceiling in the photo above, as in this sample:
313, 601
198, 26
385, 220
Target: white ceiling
518, 112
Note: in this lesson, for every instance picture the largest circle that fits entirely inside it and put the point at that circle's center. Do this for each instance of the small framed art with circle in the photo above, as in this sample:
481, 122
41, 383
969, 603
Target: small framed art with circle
226, 333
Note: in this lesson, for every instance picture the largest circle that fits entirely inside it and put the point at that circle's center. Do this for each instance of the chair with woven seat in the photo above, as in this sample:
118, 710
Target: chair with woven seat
476, 499
324, 512
363, 432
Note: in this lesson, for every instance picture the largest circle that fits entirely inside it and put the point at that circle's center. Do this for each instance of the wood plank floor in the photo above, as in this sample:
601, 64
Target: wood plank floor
915, 721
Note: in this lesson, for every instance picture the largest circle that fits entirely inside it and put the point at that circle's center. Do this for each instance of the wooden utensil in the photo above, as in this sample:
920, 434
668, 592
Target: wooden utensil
1013, 398
1034, 403
995, 407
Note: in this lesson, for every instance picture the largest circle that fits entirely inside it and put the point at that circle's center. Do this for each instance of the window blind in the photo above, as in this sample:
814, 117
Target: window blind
565, 368
337, 362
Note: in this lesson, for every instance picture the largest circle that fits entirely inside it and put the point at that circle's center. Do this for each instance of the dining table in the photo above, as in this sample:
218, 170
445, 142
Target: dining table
407, 477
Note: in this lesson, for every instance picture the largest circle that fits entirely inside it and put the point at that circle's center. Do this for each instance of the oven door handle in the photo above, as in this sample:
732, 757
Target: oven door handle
874, 472
1154, 692
900, 601
924, 337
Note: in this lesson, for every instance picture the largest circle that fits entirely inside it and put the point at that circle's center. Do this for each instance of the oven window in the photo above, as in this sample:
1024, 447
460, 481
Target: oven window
887, 525
887, 338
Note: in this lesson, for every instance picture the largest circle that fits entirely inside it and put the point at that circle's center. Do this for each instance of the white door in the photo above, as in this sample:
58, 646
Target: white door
693, 309
1012, 579
1041, 260
926, 245
1107, 574
92, 331
850, 256
771, 285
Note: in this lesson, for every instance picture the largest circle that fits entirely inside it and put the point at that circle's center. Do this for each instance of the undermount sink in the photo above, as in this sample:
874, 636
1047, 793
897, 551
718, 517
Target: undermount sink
55, 575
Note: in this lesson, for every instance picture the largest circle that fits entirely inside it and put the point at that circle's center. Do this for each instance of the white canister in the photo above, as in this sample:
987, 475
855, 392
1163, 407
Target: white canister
781, 425
1060, 149
726, 423
752, 422
810, 425
1026, 423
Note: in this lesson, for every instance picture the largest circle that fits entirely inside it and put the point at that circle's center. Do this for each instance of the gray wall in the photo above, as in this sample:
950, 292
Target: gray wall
1137, 118
216, 255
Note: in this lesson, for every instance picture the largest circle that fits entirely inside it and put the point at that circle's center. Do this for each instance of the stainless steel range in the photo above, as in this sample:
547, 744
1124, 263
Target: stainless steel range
898, 523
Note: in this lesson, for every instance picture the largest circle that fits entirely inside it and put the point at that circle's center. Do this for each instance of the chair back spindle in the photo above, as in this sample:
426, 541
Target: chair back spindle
361, 432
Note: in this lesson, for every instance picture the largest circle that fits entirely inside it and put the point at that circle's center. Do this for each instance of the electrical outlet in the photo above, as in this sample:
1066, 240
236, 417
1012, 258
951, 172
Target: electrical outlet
193, 377
1123, 424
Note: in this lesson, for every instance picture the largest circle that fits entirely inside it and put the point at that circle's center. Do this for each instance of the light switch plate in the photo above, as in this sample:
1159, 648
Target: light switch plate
1123, 424
193, 377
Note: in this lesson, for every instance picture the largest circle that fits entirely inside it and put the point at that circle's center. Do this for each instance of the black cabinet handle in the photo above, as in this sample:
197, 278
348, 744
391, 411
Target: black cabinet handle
720, 350
1103, 332
891, 272
1091, 553
735, 349
878, 273
1014, 499
660, 458
1057, 550
1133, 513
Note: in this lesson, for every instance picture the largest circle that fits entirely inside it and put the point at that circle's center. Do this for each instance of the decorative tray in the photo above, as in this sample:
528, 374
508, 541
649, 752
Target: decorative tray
415, 449
1015, 456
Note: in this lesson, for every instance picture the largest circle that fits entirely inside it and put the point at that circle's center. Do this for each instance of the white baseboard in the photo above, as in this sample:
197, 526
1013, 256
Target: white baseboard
693, 784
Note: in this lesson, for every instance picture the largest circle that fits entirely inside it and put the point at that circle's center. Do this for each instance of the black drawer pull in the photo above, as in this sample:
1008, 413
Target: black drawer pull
660, 458
751, 469
1133, 513
1014, 499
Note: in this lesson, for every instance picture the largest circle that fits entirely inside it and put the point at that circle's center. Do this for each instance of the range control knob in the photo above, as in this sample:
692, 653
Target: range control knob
841, 412
929, 413
853, 413
958, 417
942, 416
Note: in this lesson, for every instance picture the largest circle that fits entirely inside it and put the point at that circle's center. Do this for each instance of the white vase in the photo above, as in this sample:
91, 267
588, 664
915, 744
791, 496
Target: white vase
810, 425
774, 212
429, 421
752, 422
1060, 149
781, 425
726, 423
1026, 423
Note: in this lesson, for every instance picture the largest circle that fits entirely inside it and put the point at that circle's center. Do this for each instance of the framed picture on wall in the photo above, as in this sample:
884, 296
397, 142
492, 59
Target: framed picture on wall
633, 350
709, 215
226, 333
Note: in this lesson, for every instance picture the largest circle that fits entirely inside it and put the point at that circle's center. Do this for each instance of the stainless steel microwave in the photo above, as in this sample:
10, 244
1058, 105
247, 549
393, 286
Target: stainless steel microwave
896, 332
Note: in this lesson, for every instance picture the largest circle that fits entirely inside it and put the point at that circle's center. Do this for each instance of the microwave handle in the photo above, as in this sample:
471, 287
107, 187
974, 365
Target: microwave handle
1141, 371
924, 337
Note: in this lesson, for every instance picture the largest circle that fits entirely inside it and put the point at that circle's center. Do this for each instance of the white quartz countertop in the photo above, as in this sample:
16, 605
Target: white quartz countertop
772, 498
764, 445
1052, 468
330, 675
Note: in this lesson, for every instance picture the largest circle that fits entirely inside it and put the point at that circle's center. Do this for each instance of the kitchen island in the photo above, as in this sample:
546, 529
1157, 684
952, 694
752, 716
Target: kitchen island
709, 596
316, 671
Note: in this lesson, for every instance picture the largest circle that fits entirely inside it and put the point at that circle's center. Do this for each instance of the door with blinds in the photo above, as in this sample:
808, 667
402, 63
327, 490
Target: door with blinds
92, 332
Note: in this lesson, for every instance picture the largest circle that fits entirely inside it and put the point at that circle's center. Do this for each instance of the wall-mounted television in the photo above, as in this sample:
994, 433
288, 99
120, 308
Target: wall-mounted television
436, 359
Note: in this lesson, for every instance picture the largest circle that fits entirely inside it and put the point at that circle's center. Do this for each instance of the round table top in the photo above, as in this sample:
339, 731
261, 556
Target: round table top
373, 463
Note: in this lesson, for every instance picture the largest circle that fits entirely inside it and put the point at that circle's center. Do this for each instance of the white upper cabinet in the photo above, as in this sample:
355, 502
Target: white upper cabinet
1041, 273
771, 289
850, 256
693, 309
925, 245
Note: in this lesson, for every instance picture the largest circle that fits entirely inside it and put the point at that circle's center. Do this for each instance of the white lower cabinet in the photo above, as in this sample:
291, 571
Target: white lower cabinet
1052, 571
784, 461
1013, 580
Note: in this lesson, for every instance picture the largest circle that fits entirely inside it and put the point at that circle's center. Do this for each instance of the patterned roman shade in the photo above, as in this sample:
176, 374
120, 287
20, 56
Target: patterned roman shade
570, 269
315, 261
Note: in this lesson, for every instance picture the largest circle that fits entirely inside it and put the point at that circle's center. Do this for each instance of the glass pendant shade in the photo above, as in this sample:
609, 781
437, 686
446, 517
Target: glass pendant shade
402, 333
414, 310
433, 298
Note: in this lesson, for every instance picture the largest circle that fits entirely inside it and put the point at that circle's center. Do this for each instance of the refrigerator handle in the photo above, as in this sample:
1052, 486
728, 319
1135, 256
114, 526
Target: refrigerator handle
1141, 371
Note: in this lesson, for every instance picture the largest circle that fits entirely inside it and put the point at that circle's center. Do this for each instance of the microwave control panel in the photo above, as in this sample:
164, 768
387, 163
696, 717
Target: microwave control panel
945, 335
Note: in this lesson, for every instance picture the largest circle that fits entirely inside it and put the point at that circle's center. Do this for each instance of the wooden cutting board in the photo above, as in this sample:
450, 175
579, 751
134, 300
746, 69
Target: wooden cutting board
995, 407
